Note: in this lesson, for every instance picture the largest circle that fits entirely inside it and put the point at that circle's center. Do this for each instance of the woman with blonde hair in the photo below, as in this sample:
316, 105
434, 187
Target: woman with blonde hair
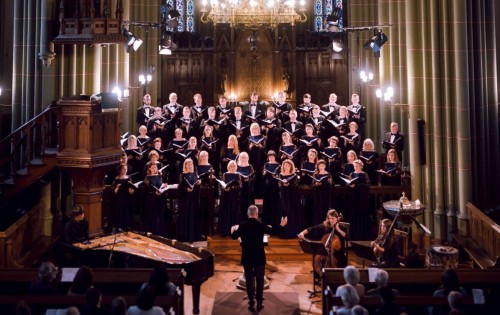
189, 203
359, 214
370, 159
230, 152
289, 199
229, 207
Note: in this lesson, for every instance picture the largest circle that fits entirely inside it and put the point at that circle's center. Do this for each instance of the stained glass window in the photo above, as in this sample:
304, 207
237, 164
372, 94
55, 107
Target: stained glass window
186, 9
323, 8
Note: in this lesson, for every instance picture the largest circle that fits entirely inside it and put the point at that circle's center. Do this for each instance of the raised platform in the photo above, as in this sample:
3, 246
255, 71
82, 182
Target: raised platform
278, 249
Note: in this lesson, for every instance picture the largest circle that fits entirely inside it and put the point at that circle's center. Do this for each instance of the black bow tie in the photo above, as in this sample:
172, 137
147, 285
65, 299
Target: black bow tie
253, 104
293, 123
393, 134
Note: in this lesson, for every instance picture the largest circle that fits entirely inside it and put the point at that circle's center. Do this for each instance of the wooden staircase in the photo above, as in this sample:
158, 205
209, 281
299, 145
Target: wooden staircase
278, 249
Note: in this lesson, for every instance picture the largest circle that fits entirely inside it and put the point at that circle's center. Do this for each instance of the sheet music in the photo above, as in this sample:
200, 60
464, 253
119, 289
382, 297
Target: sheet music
68, 274
372, 273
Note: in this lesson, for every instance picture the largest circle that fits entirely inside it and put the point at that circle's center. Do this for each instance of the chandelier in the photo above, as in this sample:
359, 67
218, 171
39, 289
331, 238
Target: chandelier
253, 13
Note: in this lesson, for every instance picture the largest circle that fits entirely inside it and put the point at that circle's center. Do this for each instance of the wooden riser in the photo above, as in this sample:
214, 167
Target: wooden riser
278, 249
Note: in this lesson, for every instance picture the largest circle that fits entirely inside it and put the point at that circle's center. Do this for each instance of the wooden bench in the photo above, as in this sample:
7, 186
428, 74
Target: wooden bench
482, 243
112, 282
412, 282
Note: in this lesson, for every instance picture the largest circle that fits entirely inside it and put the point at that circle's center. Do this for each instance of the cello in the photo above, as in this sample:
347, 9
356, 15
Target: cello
333, 244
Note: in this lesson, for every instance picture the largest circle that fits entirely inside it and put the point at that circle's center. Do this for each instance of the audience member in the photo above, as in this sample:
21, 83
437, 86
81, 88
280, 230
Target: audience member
118, 306
93, 303
145, 303
159, 280
82, 281
77, 228
449, 282
455, 301
22, 308
47, 274
72, 310
388, 307
359, 310
381, 280
351, 276
349, 298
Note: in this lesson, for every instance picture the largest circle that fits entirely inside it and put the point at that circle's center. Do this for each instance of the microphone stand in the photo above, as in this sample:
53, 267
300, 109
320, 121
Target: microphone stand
110, 260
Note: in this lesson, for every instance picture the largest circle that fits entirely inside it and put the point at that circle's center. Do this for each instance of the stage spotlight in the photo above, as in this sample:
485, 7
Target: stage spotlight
166, 44
376, 42
332, 21
131, 41
170, 16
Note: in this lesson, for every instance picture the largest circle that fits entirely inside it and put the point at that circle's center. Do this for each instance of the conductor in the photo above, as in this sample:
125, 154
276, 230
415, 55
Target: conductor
253, 257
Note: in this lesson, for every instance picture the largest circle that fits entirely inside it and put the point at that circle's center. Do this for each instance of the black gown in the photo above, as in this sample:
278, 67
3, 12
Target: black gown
393, 178
154, 206
189, 208
321, 196
247, 197
229, 208
257, 159
271, 191
358, 212
289, 205
207, 199
334, 158
307, 193
123, 204
175, 166
289, 152
227, 155
370, 160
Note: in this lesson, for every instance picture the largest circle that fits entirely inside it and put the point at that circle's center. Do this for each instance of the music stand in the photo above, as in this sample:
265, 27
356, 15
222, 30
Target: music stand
363, 250
314, 248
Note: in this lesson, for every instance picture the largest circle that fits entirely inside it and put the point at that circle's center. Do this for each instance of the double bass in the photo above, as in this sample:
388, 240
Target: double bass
333, 244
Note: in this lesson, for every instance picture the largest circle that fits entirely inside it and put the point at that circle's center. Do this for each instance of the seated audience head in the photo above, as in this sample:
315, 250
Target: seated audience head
118, 306
47, 271
351, 275
158, 278
449, 280
455, 300
348, 295
146, 298
77, 212
381, 278
359, 310
22, 308
72, 310
82, 281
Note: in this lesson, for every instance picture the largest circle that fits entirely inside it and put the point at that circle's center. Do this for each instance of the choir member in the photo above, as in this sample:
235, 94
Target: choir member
294, 127
163, 154
229, 208
145, 111
123, 189
135, 155
358, 113
254, 110
394, 140
247, 173
282, 107
304, 109
359, 203
224, 111
172, 110
289, 199
271, 128
189, 126
257, 154
176, 145
322, 189
308, 167
198, 110
230, 153
309, 141
143, 140
270, 202
211, 144
370, 159
341, 122
189, 203
153, 159
316, 120
352, 139
207, 193
331, 109
288, 150
348, 167
156, 124
391, 174
239, 127
154, 202
190, 151
333, 156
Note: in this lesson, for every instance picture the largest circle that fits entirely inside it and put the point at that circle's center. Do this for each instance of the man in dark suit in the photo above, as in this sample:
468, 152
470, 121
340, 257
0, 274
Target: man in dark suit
145, 111
394, 140
253, 257
254, 109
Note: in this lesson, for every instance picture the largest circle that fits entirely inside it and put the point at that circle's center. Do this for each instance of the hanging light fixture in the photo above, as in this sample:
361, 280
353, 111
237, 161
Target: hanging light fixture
376, 42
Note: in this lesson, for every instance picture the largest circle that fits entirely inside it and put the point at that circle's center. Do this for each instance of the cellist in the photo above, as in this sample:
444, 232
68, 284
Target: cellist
385, 245
337, 249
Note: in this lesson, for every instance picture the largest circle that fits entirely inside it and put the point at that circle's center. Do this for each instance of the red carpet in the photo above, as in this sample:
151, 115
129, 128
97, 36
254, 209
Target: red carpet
275, 303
